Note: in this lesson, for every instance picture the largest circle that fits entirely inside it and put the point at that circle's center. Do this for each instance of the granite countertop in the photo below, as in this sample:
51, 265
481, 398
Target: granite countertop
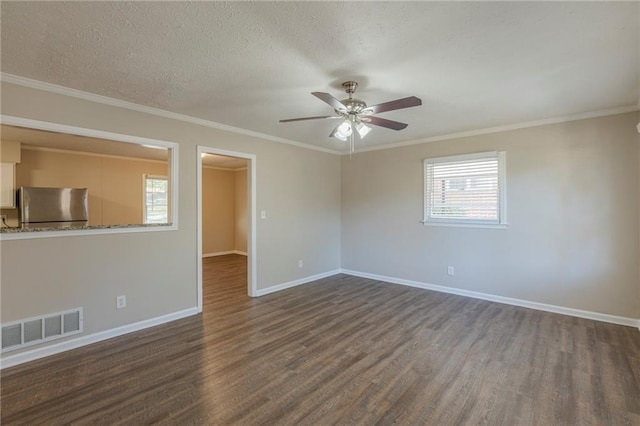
75, 228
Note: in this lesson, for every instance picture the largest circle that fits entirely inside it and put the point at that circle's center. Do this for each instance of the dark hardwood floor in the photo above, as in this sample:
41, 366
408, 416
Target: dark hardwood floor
342, 350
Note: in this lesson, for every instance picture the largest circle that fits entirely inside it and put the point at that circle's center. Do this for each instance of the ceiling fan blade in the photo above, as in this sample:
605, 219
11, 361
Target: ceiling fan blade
383, 122
409, 102
326, 97
288, 120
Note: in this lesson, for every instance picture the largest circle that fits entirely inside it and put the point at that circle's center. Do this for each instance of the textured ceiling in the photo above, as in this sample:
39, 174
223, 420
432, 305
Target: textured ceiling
248, 64
223, 162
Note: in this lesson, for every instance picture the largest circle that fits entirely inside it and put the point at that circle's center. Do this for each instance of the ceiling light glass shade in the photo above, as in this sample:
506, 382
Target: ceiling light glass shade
363, 130
343, 131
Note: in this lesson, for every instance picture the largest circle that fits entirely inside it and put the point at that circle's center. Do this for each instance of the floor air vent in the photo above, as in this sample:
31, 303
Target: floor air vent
23, 333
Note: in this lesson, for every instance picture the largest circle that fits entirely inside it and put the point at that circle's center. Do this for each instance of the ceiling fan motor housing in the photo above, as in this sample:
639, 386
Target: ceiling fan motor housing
353, 105
350, 87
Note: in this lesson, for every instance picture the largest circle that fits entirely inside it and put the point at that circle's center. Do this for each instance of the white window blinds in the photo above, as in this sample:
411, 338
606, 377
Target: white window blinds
466, 189
156, 199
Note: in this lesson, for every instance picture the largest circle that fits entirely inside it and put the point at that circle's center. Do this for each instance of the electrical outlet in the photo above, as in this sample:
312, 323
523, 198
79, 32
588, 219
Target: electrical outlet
300, 263
121, 302
450, 270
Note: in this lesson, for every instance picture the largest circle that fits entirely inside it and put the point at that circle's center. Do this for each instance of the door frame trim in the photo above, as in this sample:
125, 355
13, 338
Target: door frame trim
252, 274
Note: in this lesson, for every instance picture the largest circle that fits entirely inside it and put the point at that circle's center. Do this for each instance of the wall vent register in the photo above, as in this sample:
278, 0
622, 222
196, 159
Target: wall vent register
31, 331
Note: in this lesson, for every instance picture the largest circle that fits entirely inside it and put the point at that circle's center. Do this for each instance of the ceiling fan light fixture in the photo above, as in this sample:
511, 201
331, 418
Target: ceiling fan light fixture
363, 130
343, 131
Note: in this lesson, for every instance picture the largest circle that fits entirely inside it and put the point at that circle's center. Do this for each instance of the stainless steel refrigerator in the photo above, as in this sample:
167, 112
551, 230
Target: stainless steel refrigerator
53, 207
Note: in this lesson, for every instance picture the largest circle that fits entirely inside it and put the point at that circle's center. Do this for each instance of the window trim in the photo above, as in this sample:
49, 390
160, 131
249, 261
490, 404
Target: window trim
100, 134
500, 223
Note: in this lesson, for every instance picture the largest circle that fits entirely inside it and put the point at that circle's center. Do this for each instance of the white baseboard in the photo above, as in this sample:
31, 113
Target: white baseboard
41, 352
222, 253
597, 316
44, 351
218, 253
300, 281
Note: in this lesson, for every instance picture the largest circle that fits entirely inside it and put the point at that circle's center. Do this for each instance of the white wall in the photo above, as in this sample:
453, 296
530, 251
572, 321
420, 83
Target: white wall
573, 232
300, 189
224, 211
241, 212
573, 237
218, 211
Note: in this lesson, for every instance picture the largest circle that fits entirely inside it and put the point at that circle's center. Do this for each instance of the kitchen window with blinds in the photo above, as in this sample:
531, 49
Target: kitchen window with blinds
465, 190
156, 199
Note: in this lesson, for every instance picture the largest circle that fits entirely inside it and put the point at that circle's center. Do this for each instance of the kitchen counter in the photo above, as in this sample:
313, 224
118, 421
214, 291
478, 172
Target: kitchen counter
76, 228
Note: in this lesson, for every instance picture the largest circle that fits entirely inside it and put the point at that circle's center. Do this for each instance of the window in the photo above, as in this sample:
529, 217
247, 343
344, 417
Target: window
82, 163
465, 190
156, 196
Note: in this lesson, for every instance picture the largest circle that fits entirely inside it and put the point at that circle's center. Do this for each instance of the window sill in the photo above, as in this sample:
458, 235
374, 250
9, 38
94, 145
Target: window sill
467, 225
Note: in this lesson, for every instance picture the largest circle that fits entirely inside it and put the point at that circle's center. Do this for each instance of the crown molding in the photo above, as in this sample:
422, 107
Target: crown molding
49, 87
92, 97
498, 129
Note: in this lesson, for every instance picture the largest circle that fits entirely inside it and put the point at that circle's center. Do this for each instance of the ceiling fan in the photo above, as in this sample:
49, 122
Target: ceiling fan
355, 114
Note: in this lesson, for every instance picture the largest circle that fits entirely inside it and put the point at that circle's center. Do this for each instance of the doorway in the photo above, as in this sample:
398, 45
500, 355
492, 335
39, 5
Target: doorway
250, 194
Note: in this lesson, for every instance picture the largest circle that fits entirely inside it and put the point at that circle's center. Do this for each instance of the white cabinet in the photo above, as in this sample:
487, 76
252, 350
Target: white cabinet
7, 185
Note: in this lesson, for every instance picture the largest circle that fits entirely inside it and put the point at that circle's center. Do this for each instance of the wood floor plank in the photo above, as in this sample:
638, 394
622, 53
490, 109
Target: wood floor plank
342, 350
